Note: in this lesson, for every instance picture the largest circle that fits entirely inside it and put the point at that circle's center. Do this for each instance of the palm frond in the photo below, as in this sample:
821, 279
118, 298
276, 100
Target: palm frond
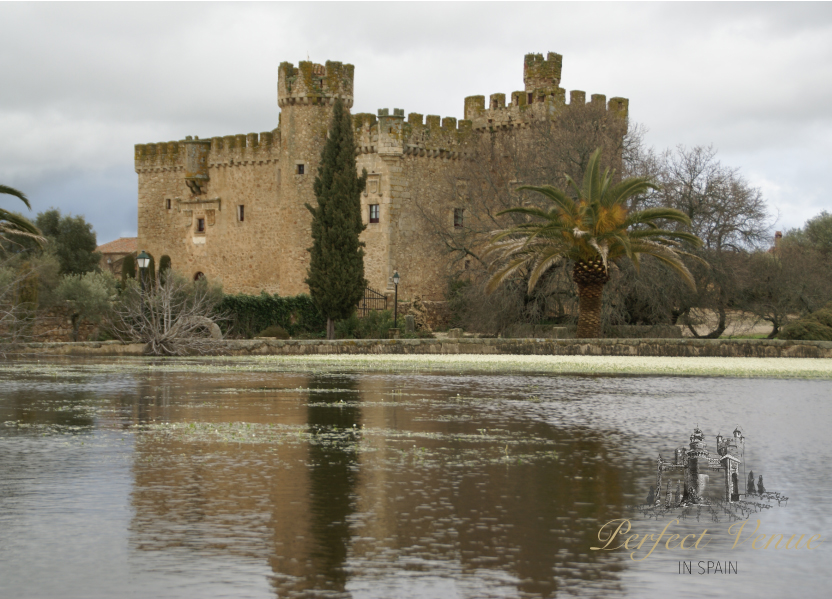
594, 224
544, 262
651, 214
502, 274
680, 235
592, 177
560, 199
16, 193
602, 250
18, 222
628, 188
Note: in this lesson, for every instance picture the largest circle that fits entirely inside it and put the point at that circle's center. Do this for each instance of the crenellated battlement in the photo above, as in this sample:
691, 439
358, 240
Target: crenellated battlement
542, 98
233, 208
194, 156
431, 136
312, 84
540, 74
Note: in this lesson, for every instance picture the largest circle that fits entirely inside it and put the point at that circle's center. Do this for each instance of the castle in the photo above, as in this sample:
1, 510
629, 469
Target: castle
696, 464
232, 208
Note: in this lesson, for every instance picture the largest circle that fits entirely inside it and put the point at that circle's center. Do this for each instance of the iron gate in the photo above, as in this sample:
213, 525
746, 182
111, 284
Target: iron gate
372, 300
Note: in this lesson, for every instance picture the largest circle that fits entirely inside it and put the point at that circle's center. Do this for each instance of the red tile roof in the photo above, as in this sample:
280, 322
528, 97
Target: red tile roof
123, 245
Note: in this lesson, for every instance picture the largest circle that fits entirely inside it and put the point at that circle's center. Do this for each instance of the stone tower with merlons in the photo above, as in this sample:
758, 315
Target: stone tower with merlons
232, 208
306, 95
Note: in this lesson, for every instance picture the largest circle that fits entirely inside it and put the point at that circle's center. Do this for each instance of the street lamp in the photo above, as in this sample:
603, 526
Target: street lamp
143, 260
396, 300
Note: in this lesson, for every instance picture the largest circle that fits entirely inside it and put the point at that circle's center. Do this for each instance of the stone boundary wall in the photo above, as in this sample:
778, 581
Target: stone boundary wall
55, 325
724, 348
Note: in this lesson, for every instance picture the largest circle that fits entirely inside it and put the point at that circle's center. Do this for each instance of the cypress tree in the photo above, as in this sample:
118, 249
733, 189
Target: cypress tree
164, 266
128, 268
336, 270
150, 281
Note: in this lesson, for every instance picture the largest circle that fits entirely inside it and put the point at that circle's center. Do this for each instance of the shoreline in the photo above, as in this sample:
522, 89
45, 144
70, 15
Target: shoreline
685, 347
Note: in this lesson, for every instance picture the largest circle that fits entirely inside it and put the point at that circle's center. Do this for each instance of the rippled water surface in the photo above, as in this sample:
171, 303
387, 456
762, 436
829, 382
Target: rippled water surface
121, 479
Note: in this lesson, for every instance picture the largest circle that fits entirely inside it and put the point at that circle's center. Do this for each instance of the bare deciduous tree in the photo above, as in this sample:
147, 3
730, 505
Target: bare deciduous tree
174, 317
18, 305
788, 281
728, 214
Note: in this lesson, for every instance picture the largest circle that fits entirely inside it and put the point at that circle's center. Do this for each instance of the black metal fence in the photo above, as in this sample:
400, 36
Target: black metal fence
372, 300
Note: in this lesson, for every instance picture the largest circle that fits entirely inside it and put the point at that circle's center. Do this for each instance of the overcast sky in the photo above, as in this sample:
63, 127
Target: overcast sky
80, 84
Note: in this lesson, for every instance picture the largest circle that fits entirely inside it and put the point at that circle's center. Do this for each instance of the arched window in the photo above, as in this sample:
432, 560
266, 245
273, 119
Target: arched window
199, 276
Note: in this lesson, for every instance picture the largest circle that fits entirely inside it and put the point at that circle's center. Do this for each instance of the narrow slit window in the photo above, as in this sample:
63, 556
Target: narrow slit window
531, 98
200, 225
373, 213
458, 212
300, 169
241, 213
167, 203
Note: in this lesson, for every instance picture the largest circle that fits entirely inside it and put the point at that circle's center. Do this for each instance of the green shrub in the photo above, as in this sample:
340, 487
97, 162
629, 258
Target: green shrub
250, 314
376, 325
816, 326
128, 268
274, 330
164, 266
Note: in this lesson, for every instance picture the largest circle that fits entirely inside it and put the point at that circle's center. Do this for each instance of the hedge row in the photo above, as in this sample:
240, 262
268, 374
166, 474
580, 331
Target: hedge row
250, 314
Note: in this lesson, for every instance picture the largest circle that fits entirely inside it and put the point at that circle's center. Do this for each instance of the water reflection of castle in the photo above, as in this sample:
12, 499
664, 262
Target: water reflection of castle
696, 464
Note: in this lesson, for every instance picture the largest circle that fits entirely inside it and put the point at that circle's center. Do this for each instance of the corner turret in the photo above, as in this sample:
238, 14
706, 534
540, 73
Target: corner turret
312, 83
542, 74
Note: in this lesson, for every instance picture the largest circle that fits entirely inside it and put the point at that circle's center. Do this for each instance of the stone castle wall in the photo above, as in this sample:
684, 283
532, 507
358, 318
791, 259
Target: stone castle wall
415, 168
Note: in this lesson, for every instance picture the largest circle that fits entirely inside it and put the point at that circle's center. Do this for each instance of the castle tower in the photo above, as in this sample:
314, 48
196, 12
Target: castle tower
697, 467
540, 74
306, 95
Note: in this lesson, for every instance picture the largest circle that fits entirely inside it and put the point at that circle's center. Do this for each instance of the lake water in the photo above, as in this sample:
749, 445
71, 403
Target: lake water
122, 479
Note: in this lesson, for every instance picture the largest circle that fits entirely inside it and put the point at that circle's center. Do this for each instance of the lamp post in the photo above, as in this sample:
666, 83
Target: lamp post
143, 260
396, 300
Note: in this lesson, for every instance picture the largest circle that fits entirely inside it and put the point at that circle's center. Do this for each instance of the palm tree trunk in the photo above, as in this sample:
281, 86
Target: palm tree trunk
589, 309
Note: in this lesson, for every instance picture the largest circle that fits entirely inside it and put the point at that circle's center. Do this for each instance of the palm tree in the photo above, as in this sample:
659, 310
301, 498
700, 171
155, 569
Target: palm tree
14, 225
592, 229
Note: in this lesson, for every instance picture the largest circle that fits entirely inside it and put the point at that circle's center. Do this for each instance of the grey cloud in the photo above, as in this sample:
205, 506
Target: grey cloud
82, 83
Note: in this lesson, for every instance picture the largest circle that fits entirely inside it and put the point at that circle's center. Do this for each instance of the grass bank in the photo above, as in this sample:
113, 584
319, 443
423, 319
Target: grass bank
804, 368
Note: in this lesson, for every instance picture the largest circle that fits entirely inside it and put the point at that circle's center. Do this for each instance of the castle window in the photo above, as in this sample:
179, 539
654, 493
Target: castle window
373, 213
200, 225
299, 168
167, 203
241, 213
531, 98
278, 177
199, 276
458, 218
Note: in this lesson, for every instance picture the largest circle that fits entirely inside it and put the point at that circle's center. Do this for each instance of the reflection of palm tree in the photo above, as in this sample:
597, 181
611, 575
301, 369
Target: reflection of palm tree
592, 229
14, 225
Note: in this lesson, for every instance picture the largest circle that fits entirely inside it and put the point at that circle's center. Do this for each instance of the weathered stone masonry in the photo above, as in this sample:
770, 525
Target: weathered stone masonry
232, 208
